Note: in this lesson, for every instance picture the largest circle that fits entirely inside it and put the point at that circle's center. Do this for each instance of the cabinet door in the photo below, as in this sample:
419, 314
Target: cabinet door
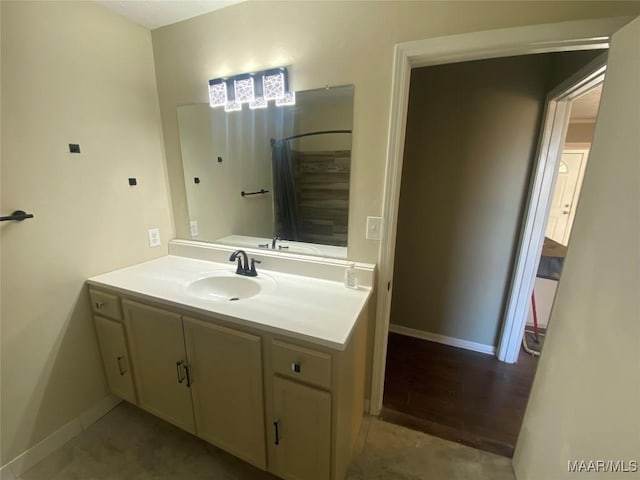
157, 350
227, 390
113, 346
301, 438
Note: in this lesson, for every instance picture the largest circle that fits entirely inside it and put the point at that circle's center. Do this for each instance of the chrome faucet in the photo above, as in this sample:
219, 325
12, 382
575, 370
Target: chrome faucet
273, 243
244, 268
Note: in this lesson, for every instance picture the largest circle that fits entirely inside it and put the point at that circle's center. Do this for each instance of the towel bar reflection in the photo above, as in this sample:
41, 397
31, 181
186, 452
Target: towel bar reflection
259, 192
18, 216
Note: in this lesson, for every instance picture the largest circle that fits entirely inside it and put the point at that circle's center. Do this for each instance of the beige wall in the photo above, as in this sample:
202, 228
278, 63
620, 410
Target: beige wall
327, 43
72, 73
585, 400
468, 151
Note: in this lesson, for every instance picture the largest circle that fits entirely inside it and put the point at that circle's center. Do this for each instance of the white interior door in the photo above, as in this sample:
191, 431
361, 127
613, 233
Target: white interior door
565, 195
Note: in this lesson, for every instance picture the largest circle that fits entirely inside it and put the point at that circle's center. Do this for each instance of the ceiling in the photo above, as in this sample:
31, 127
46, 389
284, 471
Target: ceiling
154, 14
586, 107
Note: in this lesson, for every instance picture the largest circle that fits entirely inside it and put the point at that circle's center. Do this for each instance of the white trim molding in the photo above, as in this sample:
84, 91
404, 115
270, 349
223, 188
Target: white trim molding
546, 38
26, 460
451, 341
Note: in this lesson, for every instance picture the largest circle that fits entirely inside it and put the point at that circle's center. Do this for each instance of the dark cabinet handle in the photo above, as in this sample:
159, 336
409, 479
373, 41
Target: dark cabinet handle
187, 370
295, 367
275, 426
179, 371
122, 370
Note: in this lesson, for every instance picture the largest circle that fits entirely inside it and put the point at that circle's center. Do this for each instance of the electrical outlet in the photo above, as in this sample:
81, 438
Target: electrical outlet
194, 228
374, 224
154, 237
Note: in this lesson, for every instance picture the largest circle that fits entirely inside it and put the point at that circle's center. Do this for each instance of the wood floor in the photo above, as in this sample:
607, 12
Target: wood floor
457, 394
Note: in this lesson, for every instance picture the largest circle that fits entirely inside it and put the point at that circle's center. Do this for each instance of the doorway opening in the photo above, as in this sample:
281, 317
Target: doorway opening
564, 201
475, 144
558, 37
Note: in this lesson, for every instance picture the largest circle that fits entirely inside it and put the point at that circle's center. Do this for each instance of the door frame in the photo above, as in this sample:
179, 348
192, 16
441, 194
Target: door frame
544, 38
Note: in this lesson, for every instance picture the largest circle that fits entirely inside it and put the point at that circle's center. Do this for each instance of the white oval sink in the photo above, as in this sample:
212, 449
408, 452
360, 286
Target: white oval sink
226, 286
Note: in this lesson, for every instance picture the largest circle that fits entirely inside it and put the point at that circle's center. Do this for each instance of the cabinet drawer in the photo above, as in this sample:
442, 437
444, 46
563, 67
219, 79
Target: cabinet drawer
105, 304
301, 363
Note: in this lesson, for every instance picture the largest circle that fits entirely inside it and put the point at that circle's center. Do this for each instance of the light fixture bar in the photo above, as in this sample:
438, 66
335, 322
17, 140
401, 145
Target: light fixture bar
256, 89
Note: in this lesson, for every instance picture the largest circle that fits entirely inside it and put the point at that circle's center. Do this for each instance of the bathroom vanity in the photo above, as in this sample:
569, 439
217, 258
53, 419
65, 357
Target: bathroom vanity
270, 369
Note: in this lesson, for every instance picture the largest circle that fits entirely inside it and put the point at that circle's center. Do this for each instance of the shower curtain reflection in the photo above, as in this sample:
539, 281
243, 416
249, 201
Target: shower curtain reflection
285, 202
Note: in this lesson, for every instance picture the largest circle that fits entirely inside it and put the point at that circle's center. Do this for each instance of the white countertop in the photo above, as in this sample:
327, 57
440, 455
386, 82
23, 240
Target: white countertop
319, 311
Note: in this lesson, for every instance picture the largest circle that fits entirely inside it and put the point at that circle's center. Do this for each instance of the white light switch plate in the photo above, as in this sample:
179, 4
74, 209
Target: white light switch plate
194, 228
154, 237
374, 224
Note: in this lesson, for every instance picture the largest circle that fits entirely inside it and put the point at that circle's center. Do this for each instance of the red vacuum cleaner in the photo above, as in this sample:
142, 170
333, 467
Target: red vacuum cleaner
531, 341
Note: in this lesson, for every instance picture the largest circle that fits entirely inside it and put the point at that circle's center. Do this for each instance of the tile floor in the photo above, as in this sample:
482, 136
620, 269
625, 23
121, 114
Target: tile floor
128, 443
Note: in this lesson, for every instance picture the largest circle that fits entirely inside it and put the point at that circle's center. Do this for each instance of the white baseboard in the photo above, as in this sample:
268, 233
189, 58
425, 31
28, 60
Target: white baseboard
434, 337
99, 410
57, 439
6, 473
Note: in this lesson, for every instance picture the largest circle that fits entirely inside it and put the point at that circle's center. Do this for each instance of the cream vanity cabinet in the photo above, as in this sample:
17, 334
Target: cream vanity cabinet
286, 406
160, 365
203, 378
314, 405
113, 344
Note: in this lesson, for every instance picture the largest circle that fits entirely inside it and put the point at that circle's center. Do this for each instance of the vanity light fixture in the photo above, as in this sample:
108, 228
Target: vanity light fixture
217, 92
256, 89
243, 88
289, 98
232, 106
258, 102
275, 83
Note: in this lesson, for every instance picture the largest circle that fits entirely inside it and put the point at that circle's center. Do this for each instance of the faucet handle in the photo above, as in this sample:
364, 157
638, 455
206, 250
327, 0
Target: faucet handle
239, 269
252, 271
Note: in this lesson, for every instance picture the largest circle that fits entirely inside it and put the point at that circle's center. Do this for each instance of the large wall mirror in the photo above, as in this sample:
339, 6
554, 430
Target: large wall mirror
275, 178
